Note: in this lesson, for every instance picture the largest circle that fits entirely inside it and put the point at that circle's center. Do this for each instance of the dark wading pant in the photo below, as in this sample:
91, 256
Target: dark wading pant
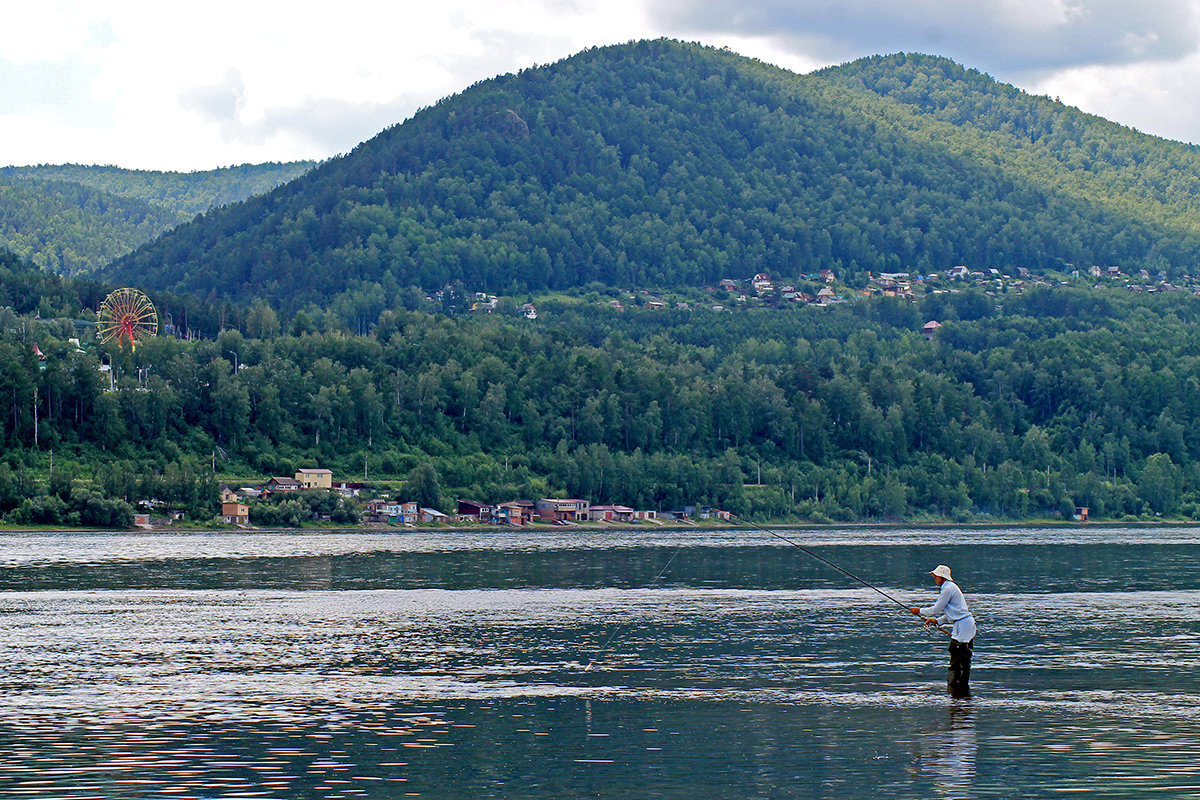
958, 676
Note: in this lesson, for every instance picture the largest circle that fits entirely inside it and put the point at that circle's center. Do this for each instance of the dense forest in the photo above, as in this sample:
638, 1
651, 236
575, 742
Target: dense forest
1024, 405
663, 163
74, 219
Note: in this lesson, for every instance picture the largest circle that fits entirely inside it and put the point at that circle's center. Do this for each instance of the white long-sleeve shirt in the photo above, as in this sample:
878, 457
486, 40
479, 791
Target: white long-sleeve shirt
951, 608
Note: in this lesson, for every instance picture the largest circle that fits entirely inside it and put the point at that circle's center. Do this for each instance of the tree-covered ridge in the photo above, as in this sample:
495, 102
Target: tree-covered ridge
184, 193
68, 228
74, 219
1111, 165
662, 163
1023, 405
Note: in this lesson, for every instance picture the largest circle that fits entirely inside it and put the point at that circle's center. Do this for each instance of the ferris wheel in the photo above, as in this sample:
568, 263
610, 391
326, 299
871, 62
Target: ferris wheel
126, 315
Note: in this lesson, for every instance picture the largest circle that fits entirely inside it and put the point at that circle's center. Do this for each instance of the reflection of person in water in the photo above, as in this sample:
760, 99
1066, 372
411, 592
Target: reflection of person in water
951, 609
950, 755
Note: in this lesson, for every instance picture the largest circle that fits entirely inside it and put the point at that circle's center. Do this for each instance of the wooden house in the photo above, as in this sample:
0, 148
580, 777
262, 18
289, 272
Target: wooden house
514, 512
235, 513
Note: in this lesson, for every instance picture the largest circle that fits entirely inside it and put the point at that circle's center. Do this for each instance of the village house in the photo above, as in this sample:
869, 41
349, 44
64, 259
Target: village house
761, 283
373, 511
281, 484
610, 513
430, 515
470, 511
349, 490
930, 328
235, 513
514, 512
390, 511
315, 478
562, 510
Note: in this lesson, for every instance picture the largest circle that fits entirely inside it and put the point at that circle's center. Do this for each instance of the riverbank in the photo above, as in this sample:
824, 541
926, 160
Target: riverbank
537, 527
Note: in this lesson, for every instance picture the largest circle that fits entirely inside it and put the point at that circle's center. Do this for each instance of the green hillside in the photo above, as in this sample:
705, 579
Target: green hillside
1045, 143
662, 163
74, 219
1028, 402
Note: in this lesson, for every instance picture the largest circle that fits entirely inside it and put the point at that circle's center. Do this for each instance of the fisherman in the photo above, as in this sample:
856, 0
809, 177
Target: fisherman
951, 609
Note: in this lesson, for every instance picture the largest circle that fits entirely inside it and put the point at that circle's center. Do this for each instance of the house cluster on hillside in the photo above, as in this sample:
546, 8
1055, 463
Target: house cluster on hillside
236, 506
235, 502
762, 289
904, 284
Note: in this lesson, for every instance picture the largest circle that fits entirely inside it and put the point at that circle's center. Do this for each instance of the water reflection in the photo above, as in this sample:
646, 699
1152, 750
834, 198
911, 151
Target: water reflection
948, 752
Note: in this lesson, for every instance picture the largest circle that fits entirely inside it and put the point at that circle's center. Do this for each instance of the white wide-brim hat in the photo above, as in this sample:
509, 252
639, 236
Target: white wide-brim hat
942, 571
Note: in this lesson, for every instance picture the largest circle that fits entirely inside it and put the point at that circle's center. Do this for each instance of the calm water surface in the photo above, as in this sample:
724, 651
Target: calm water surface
567, 664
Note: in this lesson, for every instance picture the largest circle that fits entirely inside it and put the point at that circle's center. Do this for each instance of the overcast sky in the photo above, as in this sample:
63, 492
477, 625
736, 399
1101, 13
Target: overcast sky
183, 86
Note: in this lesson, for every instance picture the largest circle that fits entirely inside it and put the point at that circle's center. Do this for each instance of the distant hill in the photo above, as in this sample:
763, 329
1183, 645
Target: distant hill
74, 219
660, 163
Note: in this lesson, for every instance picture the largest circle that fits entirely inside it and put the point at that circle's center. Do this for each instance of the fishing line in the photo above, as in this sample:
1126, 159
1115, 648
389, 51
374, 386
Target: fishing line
795, 544
617, 629
829, 563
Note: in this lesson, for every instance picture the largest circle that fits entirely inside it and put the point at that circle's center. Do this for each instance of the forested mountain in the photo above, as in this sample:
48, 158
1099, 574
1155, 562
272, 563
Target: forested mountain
74, 219
653, 164
663, 163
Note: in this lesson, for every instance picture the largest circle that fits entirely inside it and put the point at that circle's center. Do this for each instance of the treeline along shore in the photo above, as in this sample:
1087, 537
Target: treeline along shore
1023, 405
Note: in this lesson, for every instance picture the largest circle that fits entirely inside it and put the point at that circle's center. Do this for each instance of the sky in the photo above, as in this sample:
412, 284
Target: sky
189, 86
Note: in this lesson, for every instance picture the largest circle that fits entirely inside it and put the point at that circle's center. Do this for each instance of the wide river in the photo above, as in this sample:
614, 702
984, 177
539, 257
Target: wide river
613, 664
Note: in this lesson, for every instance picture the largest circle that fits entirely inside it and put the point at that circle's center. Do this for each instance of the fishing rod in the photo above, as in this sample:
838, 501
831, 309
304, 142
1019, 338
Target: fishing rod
829, 563
795, 544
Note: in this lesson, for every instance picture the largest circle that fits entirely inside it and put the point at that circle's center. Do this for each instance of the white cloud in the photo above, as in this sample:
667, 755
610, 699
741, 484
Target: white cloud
47, 30
196, 85
1158, 98
999, 35
189, 86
